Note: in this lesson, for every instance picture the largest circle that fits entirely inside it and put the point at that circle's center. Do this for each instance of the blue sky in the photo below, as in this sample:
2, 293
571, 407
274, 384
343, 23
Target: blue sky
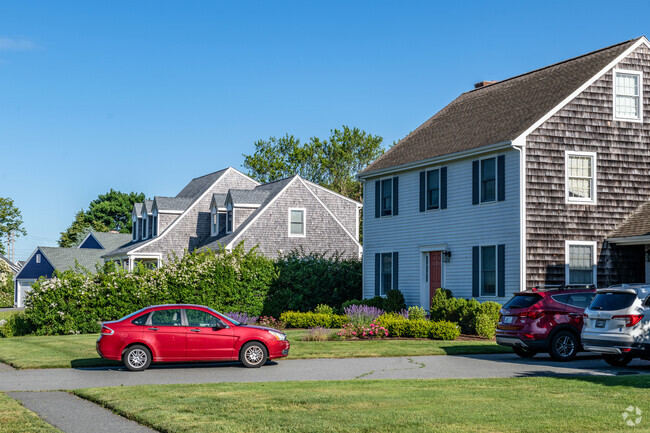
143, 96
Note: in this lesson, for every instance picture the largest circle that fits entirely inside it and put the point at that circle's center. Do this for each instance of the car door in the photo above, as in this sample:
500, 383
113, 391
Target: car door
166, 335
208, 337
576, 304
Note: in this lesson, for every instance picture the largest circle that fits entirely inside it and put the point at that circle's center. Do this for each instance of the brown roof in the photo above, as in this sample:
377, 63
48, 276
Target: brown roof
497, 112
637, 224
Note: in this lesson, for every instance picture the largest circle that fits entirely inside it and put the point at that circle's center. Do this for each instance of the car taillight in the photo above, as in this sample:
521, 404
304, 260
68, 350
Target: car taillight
107, 331
536, 314
630, 319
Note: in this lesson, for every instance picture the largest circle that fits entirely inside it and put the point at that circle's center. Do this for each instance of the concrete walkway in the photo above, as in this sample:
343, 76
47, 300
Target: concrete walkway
72, 414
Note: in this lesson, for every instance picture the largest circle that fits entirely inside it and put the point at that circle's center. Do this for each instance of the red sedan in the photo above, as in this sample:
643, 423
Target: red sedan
177, 333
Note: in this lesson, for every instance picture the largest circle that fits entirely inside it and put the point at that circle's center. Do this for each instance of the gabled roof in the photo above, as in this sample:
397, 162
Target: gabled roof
218, 200
111, 241
13, 266
199, 185
147, 206
137, 208
64, 259
637, 224
255, 196
172, 203
498, 112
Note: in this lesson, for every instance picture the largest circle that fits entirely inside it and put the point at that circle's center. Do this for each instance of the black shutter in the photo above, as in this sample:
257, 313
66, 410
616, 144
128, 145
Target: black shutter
501, 264
423, 190
395, 270
475, 272
501, 177
395, 195
377, 273
475, 182
443, 188
377, 199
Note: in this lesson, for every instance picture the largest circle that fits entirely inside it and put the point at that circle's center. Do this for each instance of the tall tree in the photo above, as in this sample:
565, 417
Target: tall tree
110, 211
333, 162
11, 220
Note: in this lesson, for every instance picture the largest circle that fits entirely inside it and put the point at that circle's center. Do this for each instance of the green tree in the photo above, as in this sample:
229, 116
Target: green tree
11, 220
333, 162
110, 211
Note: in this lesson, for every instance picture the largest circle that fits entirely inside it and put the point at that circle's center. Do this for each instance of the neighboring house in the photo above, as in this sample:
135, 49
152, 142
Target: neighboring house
13, 266
542, 178
225, 208
45, 260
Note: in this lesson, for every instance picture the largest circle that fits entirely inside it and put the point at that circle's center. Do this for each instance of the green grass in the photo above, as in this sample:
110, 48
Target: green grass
16, 418
79, 350
571, 404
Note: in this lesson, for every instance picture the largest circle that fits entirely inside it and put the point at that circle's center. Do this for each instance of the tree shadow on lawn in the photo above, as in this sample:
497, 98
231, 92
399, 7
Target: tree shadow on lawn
629, 378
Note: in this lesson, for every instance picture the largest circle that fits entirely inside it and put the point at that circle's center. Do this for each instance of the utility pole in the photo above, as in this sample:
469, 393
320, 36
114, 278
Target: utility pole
11, 241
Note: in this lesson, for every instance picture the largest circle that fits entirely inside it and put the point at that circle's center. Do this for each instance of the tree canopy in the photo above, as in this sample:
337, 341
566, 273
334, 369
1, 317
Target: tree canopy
11, 220
110, 211
332, 162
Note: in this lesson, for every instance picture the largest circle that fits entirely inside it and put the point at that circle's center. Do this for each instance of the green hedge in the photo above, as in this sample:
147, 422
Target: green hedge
465, 312
74, 302
398, 326
297, 319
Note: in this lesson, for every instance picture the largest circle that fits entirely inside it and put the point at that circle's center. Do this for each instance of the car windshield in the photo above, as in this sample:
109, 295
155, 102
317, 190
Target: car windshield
522, 301
612, 301
231, 320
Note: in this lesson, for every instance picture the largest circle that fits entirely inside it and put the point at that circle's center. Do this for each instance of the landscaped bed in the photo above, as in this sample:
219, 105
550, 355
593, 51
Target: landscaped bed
67, 351
575, 404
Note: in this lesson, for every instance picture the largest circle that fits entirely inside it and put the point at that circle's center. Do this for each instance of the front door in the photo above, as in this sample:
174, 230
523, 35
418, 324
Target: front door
435, 272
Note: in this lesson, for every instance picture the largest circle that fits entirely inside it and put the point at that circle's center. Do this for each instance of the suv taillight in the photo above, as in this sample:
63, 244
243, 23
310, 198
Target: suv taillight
535, 314
107, 331
630, 319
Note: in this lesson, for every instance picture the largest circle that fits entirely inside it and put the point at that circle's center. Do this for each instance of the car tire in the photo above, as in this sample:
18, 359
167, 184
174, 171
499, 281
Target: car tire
523, 352
253, 354
618, 360
564, 346
137, 358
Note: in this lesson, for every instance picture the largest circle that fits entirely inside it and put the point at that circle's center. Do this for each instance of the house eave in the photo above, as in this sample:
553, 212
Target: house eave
630, 240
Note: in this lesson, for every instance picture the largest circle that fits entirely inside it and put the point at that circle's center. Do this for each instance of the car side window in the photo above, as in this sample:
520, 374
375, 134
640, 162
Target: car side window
562, 299
201, 319
170, 317
581, 300
142, 320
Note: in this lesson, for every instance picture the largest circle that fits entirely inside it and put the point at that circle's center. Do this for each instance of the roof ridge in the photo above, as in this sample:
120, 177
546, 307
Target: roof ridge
210, 174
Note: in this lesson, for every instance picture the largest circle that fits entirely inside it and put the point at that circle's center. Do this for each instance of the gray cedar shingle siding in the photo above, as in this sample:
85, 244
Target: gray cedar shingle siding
165, 220
586, 124
241, 215
323, 234
345, 210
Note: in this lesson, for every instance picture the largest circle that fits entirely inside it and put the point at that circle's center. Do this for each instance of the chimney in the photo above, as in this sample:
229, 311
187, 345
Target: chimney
483, 84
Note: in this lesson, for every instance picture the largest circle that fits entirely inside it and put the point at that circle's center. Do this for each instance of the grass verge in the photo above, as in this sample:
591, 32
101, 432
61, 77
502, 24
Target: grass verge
67, 351
533, 404
14, 417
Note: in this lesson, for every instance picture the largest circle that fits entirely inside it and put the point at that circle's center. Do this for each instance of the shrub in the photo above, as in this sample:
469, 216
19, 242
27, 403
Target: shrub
6, 285
467, 312
297, 319
394, 323
444, 330
15, 325
271, 322
323, 309
362, 314
394, 301
462, 311
415, 313
491, 309
242, 318
319, 334
372, 330
485, 326
398, 326
305, 282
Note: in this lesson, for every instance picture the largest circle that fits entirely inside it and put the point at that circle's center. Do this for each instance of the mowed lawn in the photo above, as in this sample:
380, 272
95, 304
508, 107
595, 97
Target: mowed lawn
79, 350
16, 418
531, 404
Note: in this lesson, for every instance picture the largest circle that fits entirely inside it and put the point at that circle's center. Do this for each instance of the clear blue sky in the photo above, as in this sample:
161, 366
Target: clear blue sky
145, 95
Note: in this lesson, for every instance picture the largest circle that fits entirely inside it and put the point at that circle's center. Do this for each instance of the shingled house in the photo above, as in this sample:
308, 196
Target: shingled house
542, 178
225, 208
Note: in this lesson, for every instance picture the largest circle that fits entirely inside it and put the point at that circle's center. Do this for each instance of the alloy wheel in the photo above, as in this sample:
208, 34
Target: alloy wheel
137, 358
254, 354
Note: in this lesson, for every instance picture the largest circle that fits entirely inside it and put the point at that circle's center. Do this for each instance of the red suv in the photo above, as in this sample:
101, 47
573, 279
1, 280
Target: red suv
545, 319
173, 333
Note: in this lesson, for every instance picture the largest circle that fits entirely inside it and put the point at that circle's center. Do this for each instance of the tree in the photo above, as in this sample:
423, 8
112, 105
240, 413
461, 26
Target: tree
11, 220
332, 163
110, 211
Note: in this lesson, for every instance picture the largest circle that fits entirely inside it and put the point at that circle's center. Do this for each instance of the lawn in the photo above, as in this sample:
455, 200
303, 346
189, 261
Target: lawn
532, 404
16, 418
79, 350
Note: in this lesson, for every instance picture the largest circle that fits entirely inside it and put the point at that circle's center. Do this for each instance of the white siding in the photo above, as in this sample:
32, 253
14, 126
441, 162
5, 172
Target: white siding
460, 226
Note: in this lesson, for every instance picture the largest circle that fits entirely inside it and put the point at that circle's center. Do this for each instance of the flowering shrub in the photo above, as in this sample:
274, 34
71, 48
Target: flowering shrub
318, 334
362, 314
296, 319
373, 330
6, 285
271, 322
242, 318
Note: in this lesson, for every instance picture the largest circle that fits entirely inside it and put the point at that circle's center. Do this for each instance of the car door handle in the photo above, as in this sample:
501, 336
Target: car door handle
153, 329
195, 330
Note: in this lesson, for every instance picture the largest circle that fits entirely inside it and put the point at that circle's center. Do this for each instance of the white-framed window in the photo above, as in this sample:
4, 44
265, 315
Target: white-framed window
488, 275
433, 189
38, 258
628, 95
297, 222
386, 273
155, 224
214, 222
488, 180
229, 218
145, 226
580, 262
134, 227
580, 177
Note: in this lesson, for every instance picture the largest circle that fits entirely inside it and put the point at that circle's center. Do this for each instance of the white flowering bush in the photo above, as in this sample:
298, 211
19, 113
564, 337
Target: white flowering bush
6, 285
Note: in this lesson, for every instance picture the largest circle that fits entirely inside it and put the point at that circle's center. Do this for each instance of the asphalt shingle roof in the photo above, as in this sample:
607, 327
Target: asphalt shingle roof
247, 196
637, 224
64, 259
137, 207
219, 199
148, 204
111, 241
172, 203
199, 185
497, 112
13, 266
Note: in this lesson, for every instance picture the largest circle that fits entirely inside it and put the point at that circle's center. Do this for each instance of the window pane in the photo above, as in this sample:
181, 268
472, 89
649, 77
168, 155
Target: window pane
488, 271
433, 189
488, 180
580, 171
170, 317
627, 96
296, 216
581, 264
297, 222
201, 319
386, 272
386, 196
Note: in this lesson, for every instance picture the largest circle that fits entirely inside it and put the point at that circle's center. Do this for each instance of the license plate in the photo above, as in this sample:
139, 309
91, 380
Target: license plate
508, 319
600, 323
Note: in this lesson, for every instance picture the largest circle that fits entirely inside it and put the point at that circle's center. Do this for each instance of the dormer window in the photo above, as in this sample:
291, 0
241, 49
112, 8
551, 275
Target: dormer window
628, 91
214, 227
229, 218
154, 221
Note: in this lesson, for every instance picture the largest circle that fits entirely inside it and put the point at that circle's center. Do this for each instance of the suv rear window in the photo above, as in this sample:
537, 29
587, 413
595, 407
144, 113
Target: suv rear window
612, 301
522, 301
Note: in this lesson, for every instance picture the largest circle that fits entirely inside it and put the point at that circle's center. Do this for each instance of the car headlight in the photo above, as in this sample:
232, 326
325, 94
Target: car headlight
278, 335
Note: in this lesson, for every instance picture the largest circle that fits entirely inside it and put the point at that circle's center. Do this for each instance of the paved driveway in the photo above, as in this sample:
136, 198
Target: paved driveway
417, 367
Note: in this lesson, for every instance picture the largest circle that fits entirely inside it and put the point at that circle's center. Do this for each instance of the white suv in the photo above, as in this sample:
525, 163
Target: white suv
617, 323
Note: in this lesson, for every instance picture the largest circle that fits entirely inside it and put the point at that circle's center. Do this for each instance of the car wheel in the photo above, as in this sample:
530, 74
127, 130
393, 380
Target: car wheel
523, 352
137, 358
253, 354
618, 360
564, 346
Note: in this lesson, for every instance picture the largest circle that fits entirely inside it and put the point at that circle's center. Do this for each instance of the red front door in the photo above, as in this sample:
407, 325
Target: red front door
435, 272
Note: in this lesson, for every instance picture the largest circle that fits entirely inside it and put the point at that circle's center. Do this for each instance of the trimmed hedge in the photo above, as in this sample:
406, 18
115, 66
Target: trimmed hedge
465, 312
297, 319
398, 326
